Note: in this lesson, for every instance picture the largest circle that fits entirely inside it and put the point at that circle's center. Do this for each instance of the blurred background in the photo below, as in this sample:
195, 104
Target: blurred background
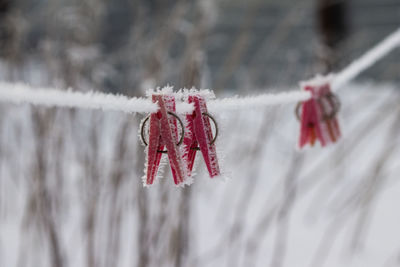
70, 180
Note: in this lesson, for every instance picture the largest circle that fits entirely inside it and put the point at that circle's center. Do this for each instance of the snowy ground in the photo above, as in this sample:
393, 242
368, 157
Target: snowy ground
70, 191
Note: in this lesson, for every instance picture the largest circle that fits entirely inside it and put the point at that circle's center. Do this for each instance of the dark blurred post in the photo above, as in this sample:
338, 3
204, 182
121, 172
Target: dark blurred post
5, 34
332, 24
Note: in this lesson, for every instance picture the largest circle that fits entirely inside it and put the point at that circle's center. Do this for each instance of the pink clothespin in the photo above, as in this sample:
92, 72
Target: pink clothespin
163, 133
199, 134
318, 114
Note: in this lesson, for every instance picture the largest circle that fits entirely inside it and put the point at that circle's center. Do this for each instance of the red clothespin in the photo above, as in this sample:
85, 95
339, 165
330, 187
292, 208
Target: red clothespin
163, 133
318, 114
199, 134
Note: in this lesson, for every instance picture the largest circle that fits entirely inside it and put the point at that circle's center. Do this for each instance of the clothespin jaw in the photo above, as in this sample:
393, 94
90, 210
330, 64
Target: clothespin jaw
199, 134
318, 115
163, 133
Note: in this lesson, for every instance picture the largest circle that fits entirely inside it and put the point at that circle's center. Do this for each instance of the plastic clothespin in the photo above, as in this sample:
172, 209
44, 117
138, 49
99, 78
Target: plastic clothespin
318, 114
163, 133
199, 134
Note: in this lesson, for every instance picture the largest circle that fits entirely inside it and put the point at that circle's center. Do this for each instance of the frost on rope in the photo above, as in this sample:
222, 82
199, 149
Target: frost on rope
260, 101
19, 93
317, 81
367, 60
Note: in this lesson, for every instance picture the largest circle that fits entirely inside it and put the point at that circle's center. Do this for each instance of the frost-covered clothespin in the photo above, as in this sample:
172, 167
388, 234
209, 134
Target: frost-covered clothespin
199, 134
163, 133
318, 114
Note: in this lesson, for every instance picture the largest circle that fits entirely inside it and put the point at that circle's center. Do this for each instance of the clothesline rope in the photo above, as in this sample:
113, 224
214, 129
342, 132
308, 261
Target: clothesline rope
367, 60
19, 93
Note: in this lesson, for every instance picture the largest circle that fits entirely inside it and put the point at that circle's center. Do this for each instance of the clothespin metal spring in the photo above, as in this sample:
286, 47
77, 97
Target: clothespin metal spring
142, 131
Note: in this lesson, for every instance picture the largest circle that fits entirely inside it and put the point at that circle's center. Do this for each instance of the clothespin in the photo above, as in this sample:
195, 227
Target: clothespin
199, 134
163, 133
318, 114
